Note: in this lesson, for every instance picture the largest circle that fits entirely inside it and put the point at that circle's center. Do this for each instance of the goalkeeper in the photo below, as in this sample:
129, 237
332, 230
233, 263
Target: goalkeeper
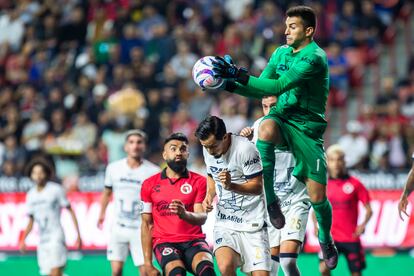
297, 74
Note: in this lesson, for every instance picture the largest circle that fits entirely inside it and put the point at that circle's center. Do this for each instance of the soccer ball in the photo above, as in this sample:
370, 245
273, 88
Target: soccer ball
203, 74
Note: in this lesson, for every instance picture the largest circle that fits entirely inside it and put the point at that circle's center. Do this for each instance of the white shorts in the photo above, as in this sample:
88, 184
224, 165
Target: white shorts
295, 229
121, 242
51, 255
253, 247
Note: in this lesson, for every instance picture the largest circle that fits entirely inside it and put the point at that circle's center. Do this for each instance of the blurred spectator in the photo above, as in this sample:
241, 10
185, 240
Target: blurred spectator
234, 121
344, 23
218, 21
405, 94
83, 131
10, 123
91, 164
182, 63
34, 132
200, 104
9, 169
114, 138
74, 31
338, 68
368, 119
386, 95
14, 153
354, 144
129, 41
151, 18
379, 147
371, 27
11, 28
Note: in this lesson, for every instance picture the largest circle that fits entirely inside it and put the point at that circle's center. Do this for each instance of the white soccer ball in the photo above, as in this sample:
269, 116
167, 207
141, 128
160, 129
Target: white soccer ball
203, 74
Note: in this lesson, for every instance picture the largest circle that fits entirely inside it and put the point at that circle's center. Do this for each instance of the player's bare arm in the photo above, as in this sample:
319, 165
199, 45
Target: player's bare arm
29, 227
146, 238
253, 186
408, 188
361, 227
211, 193
78, 243
106, 197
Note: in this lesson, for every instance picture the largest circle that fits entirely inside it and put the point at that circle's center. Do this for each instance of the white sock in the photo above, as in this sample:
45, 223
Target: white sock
275, 265
288, 264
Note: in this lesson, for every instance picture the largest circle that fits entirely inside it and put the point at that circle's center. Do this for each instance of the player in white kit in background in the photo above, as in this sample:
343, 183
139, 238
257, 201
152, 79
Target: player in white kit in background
235, 175
124, 179
294, 201
44, 203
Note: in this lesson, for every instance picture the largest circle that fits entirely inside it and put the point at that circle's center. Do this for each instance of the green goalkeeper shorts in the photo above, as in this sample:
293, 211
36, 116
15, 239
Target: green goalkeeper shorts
304, 139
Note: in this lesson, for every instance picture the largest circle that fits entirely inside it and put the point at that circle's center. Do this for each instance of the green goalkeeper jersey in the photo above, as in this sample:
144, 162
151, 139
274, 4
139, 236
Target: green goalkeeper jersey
300, 80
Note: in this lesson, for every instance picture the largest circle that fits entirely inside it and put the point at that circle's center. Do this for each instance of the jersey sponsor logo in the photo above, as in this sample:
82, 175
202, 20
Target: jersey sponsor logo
219, 240
290, 233
186, 188
286, 203
232, 218
348, 188
251, 162
130, 180
216, 170
167, 251
308, 60
220, 161
282, 67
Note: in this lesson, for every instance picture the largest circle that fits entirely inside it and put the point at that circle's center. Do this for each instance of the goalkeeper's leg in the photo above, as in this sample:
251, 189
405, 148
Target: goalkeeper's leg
269, 137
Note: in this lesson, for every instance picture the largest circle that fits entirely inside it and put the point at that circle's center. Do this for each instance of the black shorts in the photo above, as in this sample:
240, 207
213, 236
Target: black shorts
185, 251
354, 254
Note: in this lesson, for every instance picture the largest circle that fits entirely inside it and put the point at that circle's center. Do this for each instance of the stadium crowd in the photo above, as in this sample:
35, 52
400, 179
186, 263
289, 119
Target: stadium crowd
75, 75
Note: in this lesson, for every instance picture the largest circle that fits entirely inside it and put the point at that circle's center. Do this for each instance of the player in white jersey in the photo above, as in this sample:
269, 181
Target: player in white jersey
235, 175
295, 204
44, 202
124, 179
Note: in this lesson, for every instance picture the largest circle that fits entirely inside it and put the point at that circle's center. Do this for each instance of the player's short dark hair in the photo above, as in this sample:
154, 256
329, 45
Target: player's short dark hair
211, 125
176, 136
44, 163
307, 14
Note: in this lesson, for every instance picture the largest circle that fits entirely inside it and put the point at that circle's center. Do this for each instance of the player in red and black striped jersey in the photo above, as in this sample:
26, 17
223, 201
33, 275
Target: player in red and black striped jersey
345, 192
173, 214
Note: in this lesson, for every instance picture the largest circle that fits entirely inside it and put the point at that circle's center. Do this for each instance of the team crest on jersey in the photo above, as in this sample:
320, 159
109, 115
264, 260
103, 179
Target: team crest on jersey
186, 188
348, 188
167, 251
216, 170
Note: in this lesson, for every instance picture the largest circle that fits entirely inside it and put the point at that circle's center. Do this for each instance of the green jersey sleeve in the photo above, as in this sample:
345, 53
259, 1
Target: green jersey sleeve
303, 70
268, 73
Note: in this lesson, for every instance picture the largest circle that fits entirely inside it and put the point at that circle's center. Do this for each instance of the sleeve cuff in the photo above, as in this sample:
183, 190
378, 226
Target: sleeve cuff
230, 86
146, 207
243, 77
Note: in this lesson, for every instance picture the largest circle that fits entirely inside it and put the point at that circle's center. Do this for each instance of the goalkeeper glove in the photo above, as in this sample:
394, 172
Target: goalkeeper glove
224, 68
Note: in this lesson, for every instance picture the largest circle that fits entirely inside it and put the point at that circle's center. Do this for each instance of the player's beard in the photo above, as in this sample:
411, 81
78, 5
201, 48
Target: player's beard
177, 166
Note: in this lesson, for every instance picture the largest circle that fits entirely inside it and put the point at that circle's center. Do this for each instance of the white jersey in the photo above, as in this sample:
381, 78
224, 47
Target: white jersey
287, 187
126, 183
45, 207
236, 211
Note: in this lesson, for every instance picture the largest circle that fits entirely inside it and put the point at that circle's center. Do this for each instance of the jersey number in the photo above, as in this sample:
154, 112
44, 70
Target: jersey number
295, 223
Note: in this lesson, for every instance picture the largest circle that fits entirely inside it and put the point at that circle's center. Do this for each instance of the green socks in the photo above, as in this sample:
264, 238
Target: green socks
267, 154
323, 213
